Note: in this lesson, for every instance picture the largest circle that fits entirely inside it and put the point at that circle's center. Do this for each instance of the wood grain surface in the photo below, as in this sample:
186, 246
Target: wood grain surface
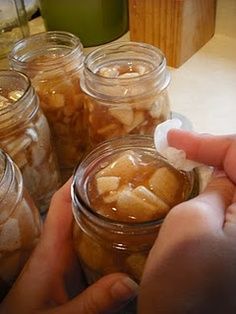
178, 27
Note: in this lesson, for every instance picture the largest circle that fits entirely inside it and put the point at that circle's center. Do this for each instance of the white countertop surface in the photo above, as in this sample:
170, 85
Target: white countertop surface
204, 88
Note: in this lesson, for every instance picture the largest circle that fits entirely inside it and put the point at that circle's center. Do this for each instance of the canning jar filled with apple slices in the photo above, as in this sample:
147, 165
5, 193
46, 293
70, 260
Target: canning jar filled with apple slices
126, 90
54, 61
121, 192
25, 136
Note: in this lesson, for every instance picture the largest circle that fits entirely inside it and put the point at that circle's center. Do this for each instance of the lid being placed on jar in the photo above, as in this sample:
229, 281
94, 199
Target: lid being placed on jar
175, 157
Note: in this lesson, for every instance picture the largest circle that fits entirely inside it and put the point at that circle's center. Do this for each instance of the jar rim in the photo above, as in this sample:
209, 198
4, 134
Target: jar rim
136, 141
89, 211
156, 79
54, 62
123, 44
27, 90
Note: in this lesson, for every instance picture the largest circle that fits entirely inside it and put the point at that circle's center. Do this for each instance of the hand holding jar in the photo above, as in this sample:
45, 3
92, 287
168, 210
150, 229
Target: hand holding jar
192, 265
121, 192
52, 276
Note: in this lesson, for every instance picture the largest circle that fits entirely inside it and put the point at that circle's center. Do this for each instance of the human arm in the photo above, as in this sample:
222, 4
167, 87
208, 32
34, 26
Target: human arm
192, 266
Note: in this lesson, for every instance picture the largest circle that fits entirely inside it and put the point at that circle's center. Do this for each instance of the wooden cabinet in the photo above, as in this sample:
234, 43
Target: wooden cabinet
178, 27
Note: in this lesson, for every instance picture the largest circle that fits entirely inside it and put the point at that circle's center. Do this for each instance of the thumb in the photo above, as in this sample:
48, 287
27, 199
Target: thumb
107, 294
201, 215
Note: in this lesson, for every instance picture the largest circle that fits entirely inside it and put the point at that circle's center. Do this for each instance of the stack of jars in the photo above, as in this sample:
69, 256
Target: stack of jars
114, 97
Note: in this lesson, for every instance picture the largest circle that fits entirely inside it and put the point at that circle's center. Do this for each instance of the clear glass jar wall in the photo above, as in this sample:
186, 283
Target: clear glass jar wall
53, 61
126, 88
121, 192
20, 223
25, 136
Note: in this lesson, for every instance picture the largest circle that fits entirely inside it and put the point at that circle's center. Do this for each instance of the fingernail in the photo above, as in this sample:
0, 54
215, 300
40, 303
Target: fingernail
125, 289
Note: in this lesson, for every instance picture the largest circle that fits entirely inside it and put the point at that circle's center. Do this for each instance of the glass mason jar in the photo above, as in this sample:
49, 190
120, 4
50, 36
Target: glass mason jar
25, 136
53, 61
126, 90
121, 192
20, 223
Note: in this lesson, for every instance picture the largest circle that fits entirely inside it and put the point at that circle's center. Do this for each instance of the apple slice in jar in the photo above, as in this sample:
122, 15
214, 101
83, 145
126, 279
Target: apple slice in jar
125, 166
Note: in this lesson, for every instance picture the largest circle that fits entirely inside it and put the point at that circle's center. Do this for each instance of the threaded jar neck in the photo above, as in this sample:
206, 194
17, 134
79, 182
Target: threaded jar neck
16, 113
155, 78
142, 143
87, 217
47, 51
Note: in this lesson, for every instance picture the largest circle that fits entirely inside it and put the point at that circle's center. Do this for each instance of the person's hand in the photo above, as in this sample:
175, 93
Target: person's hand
192, 265
52, 274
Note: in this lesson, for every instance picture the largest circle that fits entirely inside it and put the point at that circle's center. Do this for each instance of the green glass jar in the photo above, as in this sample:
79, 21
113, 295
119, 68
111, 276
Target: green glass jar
95, 22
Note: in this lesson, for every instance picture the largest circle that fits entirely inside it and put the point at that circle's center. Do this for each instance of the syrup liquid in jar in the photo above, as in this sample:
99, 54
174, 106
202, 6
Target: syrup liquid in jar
126, 90
20, 223
121, 192
54, 61
26, 137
